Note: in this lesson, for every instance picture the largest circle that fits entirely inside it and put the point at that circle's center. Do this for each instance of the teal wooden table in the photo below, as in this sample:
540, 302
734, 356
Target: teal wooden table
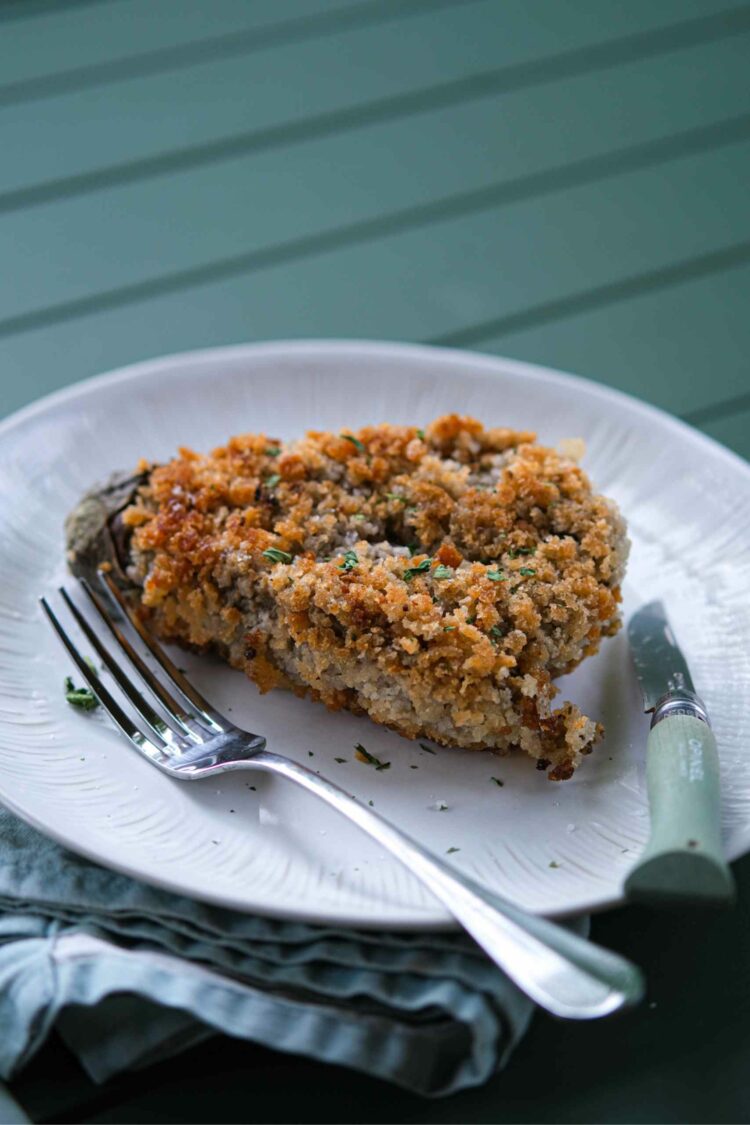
562, 181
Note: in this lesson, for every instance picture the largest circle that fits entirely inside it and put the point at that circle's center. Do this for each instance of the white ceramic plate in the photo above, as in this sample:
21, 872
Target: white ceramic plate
554, 848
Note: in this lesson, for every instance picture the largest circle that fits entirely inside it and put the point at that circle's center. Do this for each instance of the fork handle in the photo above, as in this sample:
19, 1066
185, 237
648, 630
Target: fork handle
563, 973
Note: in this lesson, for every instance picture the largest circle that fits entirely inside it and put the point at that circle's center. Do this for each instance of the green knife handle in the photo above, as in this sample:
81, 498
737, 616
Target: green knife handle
683, 861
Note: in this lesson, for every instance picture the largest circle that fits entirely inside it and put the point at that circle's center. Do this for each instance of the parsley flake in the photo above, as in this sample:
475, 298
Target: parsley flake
448, 628
371, 804
273, 554
526, 571
420, 568
414, 549
497, 576
452, 850
515, 552
272, 481
339, 760
427, 748
355, 441
553, 863
420, 435
496, 632
397, 496
83, 698
497, 781
441, 806
350, 561
272, 451
369, 759
442, 572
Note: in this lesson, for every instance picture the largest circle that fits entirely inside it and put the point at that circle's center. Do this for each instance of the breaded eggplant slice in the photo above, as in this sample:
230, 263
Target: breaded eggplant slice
437, 581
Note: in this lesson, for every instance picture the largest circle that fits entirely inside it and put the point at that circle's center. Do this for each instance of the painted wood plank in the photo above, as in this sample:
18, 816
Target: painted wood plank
219, 108
71, 36
423, 282
732, 431
681, 348
524, 143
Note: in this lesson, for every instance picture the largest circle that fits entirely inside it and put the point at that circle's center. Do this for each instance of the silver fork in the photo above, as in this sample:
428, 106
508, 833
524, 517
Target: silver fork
562, 972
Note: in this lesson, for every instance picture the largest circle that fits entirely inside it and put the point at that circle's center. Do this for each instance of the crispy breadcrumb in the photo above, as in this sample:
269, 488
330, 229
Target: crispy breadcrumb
437, 581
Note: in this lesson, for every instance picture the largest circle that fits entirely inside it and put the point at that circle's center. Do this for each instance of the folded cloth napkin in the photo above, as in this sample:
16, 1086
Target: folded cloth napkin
129, 974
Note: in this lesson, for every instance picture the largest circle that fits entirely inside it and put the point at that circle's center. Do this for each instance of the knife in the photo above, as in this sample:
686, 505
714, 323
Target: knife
683, 861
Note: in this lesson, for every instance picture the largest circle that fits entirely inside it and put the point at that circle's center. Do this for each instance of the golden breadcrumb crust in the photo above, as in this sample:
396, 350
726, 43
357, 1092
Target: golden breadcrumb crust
435, 580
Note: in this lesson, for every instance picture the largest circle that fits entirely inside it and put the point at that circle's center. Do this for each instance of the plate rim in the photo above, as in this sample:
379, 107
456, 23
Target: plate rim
308, 347
306, 344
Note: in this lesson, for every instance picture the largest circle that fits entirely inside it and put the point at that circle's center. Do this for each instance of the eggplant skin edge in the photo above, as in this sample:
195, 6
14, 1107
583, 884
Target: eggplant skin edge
94, 534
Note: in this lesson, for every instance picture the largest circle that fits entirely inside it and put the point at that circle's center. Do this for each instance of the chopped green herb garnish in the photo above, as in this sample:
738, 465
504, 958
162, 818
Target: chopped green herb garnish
427, 748
441, 806
396, 496
371, 804
358, 516
277, 556
442, 572
448, 628
82, 698
420, 435
553, 864
470, 620
516, 551
526, 571
350, 561
272, 451
497, 781
496, 632
420, 568
452, 850
272, 481
355, 441
370, 759
497, 576
310, 754
339, 760
413, 767
414, 549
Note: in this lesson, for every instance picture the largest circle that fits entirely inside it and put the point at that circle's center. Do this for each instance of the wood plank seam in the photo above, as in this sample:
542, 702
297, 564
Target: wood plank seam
546, 182
549, 69
689, 269
717, 410
233, 45
16, 11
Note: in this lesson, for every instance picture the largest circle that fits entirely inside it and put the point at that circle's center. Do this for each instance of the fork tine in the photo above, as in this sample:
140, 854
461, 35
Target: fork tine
111, 706
207, 713
126, 686
173, 707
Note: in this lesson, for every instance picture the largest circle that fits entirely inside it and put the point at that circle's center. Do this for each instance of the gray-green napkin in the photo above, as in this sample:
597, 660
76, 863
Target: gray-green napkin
129, 974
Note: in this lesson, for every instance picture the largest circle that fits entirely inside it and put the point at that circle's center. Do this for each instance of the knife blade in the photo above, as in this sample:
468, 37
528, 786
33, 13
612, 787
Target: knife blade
683, 861
659, 664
